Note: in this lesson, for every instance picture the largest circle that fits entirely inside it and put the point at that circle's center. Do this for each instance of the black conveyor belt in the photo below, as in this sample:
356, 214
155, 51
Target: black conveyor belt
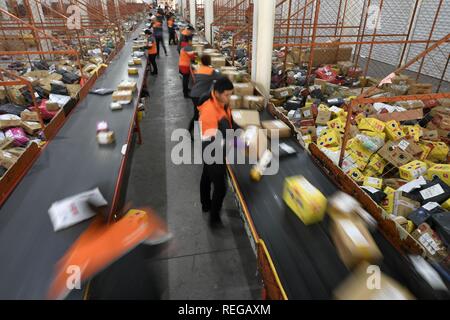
304, 256
73, 162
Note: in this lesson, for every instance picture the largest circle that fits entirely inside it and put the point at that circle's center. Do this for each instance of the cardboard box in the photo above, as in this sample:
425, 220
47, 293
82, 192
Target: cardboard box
123, 95
133, 71
233, 75
371, 124
73, 90
420, 88
52, 106
439, 152
9, 123
403, 205
413, 132
323, 117
329, 139
373, 182
243, 89
355, 287
235, 102
393, 130
428, 238
401, 116
218, 62
7, 159
395, 155
429, 134
283, 129
29, 116
277, 102
356, 175
245, 118
354, 242
127, 85
105, 137
440, 170
337, 124
309, 130
306, 201
413, 170
254, 103
388, 202
6, 143
282, 93
377, 163
31, 127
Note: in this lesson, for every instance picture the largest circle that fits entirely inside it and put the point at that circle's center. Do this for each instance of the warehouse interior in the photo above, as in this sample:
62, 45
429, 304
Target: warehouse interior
341, 116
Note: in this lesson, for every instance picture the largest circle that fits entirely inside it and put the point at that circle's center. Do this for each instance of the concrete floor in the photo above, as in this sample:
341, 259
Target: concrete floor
198, 263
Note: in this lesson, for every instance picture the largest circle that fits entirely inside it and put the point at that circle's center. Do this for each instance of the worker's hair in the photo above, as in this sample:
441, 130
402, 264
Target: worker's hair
206, 60
223, 84
147, 31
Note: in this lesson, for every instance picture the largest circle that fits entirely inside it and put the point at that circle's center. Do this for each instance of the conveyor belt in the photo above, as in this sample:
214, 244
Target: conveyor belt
304, 256
73, 162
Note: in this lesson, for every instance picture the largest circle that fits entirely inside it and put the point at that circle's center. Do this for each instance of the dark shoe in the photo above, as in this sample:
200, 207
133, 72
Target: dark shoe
216, 223
206, 209
167, 55
154, 73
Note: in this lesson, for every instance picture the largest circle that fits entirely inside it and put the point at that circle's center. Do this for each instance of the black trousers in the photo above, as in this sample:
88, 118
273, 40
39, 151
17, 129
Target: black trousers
172, 39
196, 113
215, 175
186, 84
152, 60
160, 40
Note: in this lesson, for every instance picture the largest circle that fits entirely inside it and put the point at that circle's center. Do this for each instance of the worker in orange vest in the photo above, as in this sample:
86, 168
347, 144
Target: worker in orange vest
171, 27
187, 55
215, 120
186, 36
152, 51
201, 81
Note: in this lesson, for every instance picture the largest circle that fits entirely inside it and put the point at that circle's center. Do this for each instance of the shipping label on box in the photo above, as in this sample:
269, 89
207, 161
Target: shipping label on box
306, 113
373, 182
412, 170
395, 155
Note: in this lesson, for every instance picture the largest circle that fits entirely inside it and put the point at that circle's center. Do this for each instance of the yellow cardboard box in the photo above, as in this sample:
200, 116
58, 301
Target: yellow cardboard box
393, 130
415, 132
330, 139
413, 170
388, 202
440, 170
356, 175
439, 152
371, 124
446, 204
377, 163
355, 146
426, 151
373, 182
337, 124
133, 71
359, 117
307, 202
380, 135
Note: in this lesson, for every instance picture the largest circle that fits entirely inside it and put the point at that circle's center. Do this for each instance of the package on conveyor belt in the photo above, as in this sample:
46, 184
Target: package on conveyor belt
254, 102
244, 118
243, 89
235, 102
133, 71
305, 200
218, 62
431, 241
255, 141
105, 137
7, 159
127, 85
353, 241
122, 95
276, 125
257, 170
369, 283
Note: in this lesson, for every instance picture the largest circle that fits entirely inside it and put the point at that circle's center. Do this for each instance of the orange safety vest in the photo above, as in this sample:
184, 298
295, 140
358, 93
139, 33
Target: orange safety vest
204, 70
185, 58
211, 114
152, 49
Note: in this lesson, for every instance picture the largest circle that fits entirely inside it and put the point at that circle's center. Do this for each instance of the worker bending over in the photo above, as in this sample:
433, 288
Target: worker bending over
215, 120
200, 83
187, 55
